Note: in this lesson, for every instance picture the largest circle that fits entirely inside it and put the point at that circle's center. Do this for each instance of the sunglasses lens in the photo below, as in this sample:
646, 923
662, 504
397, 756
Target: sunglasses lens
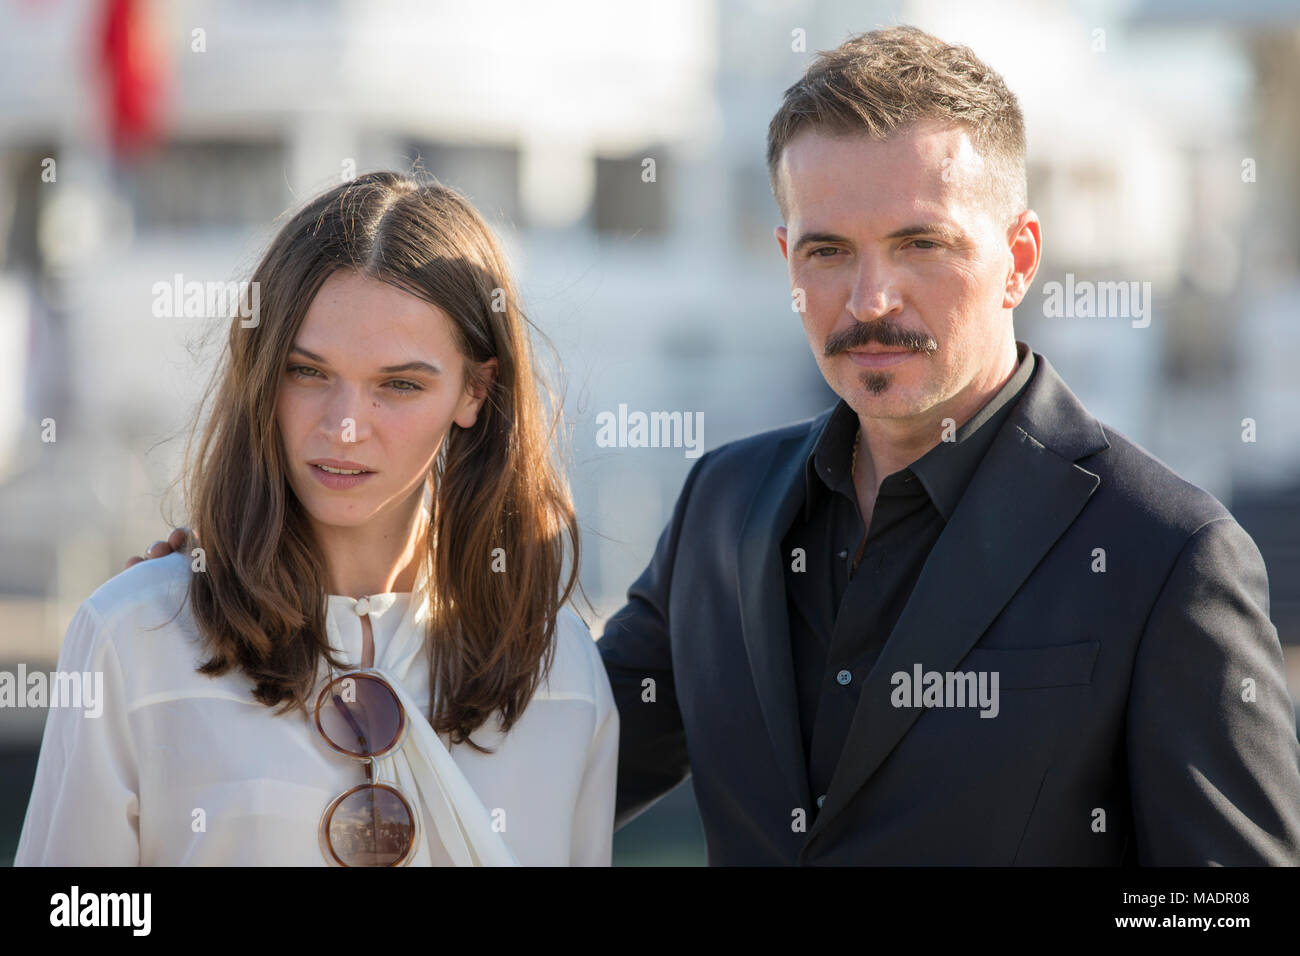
371, 826
360, 715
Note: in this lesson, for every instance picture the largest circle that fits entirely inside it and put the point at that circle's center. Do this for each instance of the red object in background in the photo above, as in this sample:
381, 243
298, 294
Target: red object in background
134, 71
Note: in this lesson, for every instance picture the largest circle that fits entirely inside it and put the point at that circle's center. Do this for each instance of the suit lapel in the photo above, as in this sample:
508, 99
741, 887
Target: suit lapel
760, 579
1024, 495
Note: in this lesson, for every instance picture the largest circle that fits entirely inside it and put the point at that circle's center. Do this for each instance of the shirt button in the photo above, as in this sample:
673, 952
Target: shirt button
844, 677
821, 800
844, 554
362, 607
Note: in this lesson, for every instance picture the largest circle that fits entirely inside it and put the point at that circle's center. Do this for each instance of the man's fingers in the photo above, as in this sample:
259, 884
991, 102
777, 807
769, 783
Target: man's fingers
160, 549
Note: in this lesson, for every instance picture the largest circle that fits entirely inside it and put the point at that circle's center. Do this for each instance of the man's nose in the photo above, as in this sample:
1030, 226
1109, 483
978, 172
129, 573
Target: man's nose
875, 291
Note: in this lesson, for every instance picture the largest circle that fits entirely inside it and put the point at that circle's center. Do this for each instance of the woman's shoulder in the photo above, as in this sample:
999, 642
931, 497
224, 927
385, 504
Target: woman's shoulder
142, 615
156, 588
577, 670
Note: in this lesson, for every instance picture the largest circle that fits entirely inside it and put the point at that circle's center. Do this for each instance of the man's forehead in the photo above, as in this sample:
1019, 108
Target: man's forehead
928, 163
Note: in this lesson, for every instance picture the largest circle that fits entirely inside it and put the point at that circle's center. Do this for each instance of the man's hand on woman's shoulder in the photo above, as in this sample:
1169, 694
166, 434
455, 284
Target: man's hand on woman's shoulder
160, 549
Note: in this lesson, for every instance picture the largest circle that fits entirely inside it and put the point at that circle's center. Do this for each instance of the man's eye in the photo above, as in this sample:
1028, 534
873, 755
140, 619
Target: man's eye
925, 244
817, 253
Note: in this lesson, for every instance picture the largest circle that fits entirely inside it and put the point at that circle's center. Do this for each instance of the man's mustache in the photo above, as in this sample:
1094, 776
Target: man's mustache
890, 336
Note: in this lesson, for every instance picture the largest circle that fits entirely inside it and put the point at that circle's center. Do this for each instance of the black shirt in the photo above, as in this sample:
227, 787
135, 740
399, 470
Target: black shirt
841, 618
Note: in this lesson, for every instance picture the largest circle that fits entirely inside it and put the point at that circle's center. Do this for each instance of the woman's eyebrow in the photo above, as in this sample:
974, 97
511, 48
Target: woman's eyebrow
386, 370
412, 367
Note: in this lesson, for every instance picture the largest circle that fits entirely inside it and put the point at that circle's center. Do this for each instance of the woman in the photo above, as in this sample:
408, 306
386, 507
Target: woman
364, 656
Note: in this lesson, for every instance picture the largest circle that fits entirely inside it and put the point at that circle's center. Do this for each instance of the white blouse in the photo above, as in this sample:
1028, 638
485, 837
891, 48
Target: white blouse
183, 769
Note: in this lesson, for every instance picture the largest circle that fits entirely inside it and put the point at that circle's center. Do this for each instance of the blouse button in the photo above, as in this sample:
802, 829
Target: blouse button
362, 607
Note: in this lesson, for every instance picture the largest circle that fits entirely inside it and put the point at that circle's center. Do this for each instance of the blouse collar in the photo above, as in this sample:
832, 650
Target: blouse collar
405, 638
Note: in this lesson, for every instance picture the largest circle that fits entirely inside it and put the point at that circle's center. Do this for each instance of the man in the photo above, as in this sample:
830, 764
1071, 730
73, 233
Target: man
958, 511
953, 619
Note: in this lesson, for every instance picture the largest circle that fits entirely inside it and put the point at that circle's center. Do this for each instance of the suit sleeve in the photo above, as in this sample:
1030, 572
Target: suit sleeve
84, 809
1213, 760
636, 648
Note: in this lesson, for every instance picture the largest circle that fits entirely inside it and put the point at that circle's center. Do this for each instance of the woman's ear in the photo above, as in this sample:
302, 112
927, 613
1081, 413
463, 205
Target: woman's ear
476, 394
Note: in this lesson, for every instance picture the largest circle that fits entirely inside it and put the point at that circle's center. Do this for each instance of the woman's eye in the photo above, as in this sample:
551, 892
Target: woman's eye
398, 385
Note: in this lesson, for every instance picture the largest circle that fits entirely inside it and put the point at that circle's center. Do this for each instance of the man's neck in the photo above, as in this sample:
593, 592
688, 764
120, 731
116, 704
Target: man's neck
888, 445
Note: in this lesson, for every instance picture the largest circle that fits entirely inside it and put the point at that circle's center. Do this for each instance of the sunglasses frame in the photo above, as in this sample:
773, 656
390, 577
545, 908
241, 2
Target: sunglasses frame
371, 763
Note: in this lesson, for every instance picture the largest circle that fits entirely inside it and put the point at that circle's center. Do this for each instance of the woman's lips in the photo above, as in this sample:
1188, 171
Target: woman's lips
339, 482
879, 359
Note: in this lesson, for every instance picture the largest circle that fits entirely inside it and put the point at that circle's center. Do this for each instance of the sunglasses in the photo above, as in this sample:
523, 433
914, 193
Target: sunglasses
372, 824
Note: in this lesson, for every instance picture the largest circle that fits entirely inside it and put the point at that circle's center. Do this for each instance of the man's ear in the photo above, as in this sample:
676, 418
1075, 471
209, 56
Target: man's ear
780, 241
1026, 244
476, 395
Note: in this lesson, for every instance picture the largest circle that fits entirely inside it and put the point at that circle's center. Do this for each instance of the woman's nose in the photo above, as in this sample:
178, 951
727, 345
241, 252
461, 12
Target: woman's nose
346, 416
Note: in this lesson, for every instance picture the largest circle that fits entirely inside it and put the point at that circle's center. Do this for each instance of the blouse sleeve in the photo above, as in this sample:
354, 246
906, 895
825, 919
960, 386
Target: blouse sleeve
593, 816
84, 809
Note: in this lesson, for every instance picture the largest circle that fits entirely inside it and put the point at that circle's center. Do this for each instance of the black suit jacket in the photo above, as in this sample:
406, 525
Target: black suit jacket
1143, 714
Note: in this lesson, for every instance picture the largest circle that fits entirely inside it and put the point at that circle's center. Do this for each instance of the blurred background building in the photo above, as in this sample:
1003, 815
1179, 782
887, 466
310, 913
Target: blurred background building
141, 140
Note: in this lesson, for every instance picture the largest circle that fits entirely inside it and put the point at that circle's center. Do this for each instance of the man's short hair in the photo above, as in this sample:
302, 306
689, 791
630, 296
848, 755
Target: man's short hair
884, 81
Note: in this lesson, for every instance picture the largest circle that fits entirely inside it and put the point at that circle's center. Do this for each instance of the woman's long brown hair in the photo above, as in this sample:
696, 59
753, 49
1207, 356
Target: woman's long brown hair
261, 604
